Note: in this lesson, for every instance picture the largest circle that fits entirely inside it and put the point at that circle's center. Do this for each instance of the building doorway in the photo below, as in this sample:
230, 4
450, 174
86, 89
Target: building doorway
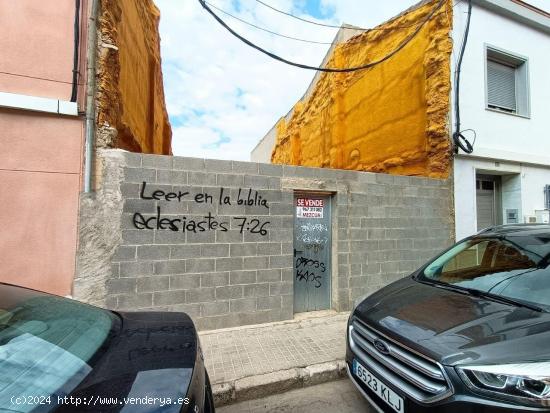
488, 201
312, 252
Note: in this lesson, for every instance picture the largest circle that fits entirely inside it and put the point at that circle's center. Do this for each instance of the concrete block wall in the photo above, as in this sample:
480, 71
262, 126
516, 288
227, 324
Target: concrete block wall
215, 238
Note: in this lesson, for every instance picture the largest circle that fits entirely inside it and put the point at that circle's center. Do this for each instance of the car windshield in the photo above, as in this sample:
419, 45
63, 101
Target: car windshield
46, 343
513, 267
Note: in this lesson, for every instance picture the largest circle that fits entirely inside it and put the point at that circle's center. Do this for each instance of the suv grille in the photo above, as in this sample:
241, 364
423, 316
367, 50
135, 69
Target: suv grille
417, 376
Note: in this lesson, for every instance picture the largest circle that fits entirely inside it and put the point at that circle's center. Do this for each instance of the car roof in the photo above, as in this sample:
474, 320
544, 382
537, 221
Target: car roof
516, 229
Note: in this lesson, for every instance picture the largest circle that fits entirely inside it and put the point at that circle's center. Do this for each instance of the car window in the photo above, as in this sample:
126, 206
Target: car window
514, 267
46, 343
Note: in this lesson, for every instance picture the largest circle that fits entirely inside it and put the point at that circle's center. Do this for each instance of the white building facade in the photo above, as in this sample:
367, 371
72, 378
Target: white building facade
505, 106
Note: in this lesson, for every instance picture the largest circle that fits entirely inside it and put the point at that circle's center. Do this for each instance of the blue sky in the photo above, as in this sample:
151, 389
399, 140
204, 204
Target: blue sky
222, 96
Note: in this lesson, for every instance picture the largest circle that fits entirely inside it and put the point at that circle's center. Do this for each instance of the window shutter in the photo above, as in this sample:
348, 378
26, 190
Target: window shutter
501, 86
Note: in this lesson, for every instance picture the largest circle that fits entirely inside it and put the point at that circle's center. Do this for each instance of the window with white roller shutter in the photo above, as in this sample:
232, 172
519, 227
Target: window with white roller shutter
507, 82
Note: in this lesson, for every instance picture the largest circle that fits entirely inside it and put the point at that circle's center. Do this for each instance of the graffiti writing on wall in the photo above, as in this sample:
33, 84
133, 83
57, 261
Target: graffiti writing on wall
208, 222
310, 271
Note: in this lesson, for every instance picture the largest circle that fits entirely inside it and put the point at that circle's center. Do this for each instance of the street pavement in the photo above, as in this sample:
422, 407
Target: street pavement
336, 396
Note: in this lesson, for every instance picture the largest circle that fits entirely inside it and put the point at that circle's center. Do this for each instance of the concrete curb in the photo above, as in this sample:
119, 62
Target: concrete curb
255, 387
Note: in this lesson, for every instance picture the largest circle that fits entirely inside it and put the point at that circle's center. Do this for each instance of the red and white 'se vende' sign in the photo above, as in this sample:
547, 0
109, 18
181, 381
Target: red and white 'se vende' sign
309, 208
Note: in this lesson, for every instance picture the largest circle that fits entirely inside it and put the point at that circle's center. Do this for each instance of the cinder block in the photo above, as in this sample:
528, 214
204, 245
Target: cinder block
229, 264
217, 165
132, 159
168, 237
137, 237
248, 168
121, 286
256, 182
231, 236
245, 305
156, 161
201, 295
281, 235
281, 261
201, 237
153, 252
135, 301
215, 250
214, 279
215, 308
271, 170
230, 180
139, 175
150, 284
200, 265
256, 290
135, 269
267, 303
242, 250
201, 178
124, 253
280, 288
255, 263
268, 248
271, 275
229, 292
188, 164
242, 277
185, 251
185, 281
170, 267
130, 190
175, 178
169, 297
143, 206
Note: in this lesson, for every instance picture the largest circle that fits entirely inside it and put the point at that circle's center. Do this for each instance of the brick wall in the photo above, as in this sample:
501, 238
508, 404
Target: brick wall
215, 238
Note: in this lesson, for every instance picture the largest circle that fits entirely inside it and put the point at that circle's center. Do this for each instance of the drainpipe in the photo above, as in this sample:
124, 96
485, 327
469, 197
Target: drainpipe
90, 96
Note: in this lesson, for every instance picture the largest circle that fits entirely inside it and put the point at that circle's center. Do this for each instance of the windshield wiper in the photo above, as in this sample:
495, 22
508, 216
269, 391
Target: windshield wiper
479, 293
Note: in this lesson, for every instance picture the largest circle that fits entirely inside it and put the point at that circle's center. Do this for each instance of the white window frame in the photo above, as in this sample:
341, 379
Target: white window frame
521, 65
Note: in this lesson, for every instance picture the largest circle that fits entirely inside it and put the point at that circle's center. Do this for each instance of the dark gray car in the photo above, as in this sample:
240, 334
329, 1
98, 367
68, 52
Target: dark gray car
468, 332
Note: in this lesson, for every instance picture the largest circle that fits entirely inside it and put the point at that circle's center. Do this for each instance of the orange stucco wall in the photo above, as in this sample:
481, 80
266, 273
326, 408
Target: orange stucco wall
392, 118
131, 108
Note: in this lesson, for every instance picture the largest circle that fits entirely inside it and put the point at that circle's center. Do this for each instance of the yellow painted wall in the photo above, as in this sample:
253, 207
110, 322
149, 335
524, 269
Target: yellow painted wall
131, 107
392, 118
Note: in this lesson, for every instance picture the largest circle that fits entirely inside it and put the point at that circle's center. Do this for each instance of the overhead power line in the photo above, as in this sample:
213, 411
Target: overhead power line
407, 40
264, 29
305, 20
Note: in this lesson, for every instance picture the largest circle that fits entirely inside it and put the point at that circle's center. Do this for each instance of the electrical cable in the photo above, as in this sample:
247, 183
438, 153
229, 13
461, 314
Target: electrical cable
407, 40
306, 20
459, 139
263, 29
76, 51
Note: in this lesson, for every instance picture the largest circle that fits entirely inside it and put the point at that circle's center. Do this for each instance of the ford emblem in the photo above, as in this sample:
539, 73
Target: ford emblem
381, 346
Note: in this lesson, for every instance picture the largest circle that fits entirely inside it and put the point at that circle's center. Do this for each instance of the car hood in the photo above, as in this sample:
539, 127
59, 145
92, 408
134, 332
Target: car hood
147, 355
454, 328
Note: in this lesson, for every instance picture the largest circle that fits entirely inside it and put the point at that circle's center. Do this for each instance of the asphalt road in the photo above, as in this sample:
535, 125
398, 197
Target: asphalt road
337, 396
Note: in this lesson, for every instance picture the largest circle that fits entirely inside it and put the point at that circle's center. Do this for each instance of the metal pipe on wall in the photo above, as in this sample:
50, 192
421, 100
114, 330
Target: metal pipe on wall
90, 96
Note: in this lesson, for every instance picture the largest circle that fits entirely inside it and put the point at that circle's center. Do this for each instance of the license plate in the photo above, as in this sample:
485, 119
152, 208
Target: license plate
391, 398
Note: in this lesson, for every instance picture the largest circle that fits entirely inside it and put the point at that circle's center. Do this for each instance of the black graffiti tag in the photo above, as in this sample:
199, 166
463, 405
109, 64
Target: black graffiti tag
306, 271
304, 262
305, 275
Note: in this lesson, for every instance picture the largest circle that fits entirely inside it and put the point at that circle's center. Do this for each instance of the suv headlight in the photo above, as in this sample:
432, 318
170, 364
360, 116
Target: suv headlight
527, 383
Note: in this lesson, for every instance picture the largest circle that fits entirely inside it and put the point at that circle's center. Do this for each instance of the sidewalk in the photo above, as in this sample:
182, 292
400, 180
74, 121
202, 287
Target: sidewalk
254, 361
